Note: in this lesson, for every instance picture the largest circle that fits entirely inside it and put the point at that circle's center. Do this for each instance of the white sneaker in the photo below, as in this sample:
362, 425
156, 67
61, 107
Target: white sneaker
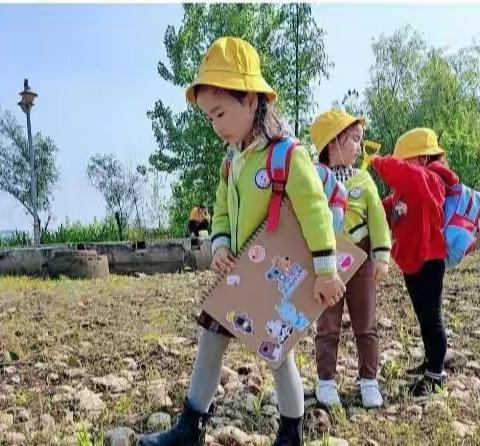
326, 393
371, 396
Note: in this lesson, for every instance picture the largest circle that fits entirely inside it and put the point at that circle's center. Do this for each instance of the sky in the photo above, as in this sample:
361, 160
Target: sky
94, 68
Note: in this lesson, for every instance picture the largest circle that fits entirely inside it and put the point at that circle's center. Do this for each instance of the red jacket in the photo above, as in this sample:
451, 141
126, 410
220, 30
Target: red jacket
415, 209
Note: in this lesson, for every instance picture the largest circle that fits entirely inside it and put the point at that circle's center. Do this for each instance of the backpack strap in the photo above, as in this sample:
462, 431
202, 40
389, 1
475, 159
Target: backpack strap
278, 163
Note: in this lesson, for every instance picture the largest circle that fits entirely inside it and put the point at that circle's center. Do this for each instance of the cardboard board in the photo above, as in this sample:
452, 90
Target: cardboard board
267, 300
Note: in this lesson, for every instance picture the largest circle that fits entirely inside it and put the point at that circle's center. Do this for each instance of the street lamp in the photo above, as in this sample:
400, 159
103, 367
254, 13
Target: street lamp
26, 104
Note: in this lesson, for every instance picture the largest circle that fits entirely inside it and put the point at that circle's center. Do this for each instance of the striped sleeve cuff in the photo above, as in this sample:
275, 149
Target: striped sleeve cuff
325, 262
381, 255
220, 241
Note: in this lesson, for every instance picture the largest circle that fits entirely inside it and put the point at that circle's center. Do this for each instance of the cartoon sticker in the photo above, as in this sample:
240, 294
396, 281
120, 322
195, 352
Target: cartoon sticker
233, 280
399, 210
289, 277
270, 350
261, 179
288, 313
280, 330
256, 254
356, 192
241, 322
345, 260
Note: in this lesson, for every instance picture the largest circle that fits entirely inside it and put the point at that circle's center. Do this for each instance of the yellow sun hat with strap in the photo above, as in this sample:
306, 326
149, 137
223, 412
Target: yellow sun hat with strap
233, 64
420, 141
329, 125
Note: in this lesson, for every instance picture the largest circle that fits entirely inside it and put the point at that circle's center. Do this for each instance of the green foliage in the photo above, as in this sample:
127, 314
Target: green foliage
414, 85
15, 164
187, 145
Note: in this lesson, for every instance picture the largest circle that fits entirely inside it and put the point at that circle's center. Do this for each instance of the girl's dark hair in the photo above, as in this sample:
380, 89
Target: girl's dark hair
431, 158
266, 121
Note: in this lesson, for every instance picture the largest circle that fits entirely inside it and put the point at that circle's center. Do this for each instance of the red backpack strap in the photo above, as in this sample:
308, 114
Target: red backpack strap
278, 163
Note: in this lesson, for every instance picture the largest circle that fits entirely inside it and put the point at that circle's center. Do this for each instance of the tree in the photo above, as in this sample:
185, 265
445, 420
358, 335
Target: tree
118, 186
187, 144
15, 166
414, 85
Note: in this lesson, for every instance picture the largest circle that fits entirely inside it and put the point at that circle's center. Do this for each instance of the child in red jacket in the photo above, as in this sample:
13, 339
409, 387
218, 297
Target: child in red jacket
414, 210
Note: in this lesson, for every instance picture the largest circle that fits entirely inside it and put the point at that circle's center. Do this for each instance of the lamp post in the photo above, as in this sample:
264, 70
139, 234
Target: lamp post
26, 104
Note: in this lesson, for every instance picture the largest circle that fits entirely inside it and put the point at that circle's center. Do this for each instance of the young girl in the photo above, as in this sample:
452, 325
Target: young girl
337, 137
415, 212
233, 95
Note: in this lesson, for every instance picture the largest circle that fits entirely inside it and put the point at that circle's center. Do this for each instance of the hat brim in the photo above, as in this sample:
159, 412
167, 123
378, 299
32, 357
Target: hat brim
428, 151
231, 81
343, 126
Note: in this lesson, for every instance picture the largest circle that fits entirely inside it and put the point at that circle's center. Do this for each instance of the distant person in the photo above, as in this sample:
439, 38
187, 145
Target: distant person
419, 181
199, 220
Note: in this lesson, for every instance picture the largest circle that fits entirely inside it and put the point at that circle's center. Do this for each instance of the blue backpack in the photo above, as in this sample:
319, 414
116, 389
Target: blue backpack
278, 162
462, 222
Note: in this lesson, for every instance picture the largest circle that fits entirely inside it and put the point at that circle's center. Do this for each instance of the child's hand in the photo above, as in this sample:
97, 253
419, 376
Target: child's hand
328, 289
223, 261
380, 270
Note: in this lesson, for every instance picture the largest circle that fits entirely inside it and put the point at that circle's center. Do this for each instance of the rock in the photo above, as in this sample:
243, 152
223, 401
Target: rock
231, 436
14, 438
112, 383
330, 441
390, 355
159, 421
75, 373
251, 403
475, 383
454, 360
41, 366
310, 402
259, 440
130, 363
120, 436
436, 407
23, 415
321, 420
158, 395
233, 387
10, 370
53, 377
416, 353
416, 412
47, 422
90, 402
270, 411
385, 323
462, 430
228, 375
371, 442
473, 365
66, 394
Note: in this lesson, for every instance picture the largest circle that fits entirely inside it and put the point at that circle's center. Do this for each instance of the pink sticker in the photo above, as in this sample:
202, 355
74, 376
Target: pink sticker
345, 260
256, 254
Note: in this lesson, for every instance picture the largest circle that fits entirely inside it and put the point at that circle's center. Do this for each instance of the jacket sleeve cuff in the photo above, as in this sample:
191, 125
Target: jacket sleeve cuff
381, 255
220, 241
325, 262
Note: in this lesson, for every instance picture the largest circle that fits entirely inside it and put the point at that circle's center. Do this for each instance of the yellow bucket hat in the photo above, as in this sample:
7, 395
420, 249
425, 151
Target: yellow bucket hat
417, 142
329, 125
233, 64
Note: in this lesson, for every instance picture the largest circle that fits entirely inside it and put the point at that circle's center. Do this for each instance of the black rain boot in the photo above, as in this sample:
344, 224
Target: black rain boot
290, 432
418, 370
189, 431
